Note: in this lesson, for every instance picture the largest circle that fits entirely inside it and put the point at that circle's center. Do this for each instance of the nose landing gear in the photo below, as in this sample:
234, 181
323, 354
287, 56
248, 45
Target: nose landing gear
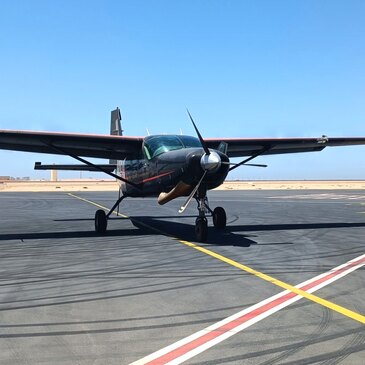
201, 223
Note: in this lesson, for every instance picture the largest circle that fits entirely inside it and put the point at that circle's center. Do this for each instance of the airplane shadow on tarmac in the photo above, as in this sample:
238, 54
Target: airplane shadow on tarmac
69, 234
186, 231
232, 235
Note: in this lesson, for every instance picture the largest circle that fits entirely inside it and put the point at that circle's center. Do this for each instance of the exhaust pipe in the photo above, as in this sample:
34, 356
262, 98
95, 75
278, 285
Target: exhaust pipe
181, 189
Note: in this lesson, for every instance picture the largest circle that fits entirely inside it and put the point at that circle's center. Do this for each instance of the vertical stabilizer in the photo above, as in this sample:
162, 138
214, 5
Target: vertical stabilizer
115, 127
115, 123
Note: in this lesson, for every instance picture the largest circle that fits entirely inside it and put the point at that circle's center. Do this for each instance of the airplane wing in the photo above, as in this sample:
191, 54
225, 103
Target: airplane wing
239, 147
86, 145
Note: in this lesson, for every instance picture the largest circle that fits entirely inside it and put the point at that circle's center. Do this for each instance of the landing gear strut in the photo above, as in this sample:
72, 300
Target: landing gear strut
201, 224
101, 219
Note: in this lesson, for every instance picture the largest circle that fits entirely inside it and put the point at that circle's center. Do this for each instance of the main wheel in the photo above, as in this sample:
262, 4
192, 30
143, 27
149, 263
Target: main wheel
219, 218
100, 221
201, 229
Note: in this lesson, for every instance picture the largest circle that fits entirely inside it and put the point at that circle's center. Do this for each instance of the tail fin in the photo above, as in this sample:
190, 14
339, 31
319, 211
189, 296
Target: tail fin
115, 125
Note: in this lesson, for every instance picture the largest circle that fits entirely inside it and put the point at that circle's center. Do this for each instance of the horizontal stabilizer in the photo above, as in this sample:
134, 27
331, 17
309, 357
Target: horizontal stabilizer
80, 167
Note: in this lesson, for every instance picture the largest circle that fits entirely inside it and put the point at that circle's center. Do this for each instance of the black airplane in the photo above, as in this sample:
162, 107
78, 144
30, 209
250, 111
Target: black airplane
163, 166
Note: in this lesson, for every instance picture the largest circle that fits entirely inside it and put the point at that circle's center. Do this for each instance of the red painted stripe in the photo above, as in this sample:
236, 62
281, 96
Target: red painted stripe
157, 176
174, 354
219, 331
332, 274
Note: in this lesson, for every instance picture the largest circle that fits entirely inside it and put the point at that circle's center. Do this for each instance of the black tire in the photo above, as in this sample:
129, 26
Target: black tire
219, 218
100, 221
201, 229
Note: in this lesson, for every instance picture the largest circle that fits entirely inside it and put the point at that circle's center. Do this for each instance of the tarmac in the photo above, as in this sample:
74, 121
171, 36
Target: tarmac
69, 296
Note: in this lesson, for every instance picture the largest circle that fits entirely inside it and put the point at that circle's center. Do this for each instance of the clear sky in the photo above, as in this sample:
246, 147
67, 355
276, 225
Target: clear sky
243, 68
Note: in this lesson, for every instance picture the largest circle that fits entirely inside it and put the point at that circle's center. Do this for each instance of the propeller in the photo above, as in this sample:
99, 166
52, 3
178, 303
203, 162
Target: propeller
210, 161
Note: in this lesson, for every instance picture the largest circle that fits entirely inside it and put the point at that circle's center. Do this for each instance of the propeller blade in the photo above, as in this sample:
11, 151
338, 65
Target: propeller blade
206, 150
254, 165
184, 206
246, 164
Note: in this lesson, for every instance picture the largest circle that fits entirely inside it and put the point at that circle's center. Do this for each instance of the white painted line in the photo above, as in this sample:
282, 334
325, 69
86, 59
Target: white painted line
331, 196
200, 341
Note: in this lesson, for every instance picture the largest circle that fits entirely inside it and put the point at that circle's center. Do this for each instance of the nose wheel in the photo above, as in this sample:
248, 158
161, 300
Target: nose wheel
201, 229
201, 224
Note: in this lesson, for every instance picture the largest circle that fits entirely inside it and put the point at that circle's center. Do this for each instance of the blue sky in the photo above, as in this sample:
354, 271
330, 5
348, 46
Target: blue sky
243, 68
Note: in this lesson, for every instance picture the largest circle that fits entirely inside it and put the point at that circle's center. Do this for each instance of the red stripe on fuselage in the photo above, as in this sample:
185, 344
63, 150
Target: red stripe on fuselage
157, 176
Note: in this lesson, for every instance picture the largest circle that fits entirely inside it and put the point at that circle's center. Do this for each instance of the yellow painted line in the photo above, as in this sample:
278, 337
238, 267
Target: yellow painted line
347, 312
97, 205
314, 298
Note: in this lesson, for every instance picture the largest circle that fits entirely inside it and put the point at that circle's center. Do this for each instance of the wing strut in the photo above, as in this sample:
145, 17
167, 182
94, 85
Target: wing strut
252, 157
96, 167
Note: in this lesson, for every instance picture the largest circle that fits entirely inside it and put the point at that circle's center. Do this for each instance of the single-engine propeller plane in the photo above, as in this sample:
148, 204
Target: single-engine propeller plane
163, 166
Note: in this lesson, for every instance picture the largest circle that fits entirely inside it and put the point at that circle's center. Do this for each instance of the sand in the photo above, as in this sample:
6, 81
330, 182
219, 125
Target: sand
293, 185
63, 185
112, 185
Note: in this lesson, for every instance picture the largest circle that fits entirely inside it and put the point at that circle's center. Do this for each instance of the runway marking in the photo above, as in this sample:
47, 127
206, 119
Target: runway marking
282, 284
96, 204
331, 196
202, 340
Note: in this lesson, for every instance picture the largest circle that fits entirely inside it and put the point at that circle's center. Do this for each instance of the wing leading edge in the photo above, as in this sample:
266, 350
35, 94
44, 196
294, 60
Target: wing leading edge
120, 147
86, 145
240, 147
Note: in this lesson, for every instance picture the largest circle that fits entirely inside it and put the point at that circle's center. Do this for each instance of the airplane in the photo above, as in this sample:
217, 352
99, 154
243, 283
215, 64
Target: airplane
162, 166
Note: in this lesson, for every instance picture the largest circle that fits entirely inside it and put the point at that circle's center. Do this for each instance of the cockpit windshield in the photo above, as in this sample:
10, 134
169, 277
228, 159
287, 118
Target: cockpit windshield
155, 145
190, 141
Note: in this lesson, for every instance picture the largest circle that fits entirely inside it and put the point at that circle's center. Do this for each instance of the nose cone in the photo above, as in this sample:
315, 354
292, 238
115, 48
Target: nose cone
211, 162
216, 164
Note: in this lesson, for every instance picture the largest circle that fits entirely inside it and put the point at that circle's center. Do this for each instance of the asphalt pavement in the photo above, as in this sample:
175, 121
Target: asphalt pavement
69, 296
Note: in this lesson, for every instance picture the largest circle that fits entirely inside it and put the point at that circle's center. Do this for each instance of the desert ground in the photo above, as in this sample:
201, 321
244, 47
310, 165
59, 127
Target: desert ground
112, 185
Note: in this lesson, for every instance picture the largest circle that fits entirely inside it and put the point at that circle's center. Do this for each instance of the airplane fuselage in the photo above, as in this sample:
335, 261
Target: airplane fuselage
160, 169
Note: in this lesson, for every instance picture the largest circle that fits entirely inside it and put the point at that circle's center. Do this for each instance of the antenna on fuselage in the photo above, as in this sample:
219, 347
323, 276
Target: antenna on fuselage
148, 132
181, 133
